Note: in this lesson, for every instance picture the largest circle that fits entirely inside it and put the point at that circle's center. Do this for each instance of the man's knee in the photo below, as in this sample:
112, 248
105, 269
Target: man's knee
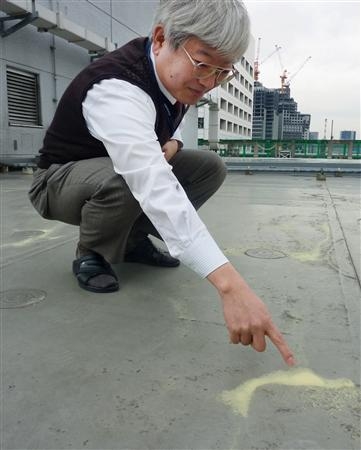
218, 166
114, 194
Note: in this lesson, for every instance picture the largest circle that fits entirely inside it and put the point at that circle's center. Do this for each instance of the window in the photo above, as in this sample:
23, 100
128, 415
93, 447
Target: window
23, 97
200, 122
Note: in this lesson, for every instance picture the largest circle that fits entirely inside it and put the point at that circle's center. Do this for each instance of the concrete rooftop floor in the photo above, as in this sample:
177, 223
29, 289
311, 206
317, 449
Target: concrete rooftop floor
145, 368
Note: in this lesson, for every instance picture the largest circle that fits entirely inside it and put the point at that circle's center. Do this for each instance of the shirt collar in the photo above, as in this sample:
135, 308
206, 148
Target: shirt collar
164, 91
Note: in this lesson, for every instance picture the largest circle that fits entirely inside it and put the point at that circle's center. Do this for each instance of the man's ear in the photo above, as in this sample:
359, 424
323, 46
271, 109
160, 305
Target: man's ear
158, 38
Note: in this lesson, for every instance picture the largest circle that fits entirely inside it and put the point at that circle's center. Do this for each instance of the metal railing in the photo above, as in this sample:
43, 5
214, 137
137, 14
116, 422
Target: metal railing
330, 149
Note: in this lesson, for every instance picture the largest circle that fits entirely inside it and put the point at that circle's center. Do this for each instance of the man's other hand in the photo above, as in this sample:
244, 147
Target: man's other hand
170, 148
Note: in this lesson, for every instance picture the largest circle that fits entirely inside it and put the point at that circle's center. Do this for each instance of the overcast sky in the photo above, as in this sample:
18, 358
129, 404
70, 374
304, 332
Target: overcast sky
328, 86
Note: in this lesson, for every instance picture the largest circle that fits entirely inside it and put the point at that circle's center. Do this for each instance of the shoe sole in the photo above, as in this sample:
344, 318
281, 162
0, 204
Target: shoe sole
98, 290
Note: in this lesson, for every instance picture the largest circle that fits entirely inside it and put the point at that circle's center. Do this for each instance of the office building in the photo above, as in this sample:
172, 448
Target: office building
226, 112
348, 135
313, 135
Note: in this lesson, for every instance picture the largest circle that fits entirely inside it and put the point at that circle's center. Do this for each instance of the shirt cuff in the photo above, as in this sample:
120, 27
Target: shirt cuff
203, 256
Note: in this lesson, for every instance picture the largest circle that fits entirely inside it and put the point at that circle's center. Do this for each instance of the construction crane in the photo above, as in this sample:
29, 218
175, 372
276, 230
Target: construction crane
256, 62
284, 75
256, 70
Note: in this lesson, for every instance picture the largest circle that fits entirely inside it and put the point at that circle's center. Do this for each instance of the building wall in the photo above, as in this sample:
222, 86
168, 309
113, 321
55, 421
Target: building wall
229, 113
313, 135
348, 135
57, 61
189, 129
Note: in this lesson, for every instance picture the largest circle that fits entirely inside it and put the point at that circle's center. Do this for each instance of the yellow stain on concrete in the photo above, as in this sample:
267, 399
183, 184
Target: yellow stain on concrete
317, 252
181, 309
33, 239
239, 399
234, 251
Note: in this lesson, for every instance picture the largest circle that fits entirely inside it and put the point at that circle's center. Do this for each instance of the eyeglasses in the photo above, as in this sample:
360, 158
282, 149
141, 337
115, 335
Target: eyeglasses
203, 70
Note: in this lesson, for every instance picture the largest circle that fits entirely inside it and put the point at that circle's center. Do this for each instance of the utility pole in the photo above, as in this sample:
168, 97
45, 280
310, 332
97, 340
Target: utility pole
331, 130
325, 130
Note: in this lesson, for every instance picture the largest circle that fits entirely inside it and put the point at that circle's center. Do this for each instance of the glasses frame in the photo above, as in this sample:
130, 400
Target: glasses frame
232, 72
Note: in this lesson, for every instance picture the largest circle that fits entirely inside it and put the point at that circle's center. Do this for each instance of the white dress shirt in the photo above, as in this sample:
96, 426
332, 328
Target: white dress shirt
122, 116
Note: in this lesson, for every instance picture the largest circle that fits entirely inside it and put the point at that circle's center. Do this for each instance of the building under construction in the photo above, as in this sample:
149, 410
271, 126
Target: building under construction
275, 115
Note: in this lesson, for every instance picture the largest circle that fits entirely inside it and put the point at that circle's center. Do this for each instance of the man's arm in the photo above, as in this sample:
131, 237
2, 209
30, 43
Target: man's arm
247, 318
137, 156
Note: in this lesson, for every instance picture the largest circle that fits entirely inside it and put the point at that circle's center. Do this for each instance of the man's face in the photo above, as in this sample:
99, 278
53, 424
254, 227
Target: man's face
176, 71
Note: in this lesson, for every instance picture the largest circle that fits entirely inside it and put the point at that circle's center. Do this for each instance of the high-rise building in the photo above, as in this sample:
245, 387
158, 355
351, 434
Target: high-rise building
313, 135
348, 135
275, 115
265, 117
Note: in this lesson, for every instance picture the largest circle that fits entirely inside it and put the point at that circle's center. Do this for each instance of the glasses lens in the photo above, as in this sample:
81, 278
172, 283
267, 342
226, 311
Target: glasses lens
204, 71
224, 77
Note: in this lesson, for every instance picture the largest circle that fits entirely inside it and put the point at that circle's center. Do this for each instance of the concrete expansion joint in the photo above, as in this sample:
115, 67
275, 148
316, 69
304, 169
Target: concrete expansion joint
350, 286
206, 322
336, 222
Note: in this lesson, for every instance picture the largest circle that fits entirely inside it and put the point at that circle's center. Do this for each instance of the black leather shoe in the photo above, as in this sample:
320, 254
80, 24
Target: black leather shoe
146, 253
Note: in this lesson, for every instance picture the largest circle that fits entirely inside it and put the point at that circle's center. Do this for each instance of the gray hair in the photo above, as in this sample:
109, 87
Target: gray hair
221, 24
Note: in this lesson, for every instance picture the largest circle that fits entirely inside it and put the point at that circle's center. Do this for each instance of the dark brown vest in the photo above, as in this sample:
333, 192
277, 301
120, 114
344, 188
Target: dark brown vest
68, 138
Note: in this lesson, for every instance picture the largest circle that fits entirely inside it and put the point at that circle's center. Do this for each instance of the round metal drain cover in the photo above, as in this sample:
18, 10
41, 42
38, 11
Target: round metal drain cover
265, 253
20, 298
26, 234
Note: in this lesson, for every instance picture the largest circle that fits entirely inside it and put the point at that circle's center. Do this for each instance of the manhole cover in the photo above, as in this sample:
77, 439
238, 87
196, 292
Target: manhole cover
27, 234
265, 253
20, 298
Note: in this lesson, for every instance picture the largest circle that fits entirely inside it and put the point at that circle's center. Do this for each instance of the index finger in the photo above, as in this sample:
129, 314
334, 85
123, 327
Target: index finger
278, 340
